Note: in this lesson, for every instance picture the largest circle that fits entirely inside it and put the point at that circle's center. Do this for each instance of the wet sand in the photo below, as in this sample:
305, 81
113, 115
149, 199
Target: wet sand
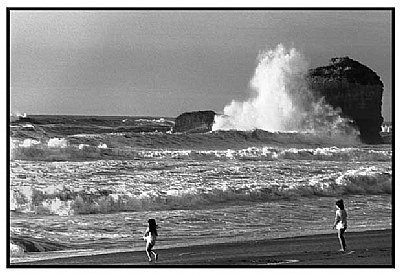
370, 248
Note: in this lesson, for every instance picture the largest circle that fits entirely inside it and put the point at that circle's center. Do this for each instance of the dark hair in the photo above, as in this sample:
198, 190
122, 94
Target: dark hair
153, 226
340, 204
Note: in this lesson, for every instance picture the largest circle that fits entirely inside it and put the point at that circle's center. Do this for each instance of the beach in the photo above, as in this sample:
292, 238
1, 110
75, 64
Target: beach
368, 248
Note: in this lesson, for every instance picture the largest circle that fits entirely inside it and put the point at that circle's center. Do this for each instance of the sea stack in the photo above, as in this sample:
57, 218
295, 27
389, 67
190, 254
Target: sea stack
356, 89
197, 121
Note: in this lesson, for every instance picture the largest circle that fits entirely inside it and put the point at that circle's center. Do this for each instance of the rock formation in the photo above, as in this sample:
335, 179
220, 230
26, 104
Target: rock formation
344, 83
356, 89
198, 121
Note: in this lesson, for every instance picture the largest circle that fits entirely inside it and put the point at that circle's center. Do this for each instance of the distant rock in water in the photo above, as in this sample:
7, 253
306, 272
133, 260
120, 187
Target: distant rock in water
198, 121
356, 89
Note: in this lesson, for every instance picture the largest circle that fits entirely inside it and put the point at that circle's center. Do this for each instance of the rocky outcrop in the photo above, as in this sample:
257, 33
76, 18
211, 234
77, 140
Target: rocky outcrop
31, 244
356, 89
198, 121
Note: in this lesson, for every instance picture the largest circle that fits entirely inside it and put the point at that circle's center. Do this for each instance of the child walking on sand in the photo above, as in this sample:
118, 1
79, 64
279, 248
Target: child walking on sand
341, 223
150, 236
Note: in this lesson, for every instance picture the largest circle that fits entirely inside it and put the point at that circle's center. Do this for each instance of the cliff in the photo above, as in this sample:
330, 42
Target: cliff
198, 121
356, 89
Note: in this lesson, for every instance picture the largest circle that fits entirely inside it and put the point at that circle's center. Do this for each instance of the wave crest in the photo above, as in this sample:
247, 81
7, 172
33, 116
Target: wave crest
282, 100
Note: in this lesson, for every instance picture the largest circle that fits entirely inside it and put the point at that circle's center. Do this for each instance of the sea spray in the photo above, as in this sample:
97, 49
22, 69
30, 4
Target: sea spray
282, 100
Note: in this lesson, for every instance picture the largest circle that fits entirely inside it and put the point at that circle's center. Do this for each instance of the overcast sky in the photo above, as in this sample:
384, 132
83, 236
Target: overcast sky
164, 63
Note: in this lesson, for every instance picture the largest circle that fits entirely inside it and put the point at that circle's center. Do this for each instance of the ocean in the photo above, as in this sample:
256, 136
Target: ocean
88, 185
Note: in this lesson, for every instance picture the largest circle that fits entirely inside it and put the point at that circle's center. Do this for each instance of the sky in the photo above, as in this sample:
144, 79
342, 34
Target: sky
164, 63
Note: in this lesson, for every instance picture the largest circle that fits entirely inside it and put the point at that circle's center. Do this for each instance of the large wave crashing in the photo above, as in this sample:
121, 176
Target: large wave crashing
282, 100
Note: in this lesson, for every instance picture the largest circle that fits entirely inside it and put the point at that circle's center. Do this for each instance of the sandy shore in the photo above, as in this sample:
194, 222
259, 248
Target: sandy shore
370, 248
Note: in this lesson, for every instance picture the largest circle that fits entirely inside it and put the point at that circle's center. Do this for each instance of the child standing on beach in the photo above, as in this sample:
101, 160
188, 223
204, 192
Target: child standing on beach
341, 223
150, 236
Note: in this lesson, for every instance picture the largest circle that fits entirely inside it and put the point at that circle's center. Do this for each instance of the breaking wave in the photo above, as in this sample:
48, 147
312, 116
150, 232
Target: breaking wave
61, 150
210, 191
272, 153
353, 182
282, 100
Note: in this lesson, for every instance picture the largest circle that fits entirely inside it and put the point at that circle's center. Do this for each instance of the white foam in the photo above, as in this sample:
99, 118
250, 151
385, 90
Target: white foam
29, 143
101, 145
82, 146
16, 250
57, 143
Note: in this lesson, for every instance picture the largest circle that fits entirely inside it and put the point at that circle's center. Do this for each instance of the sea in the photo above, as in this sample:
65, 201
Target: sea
82, 185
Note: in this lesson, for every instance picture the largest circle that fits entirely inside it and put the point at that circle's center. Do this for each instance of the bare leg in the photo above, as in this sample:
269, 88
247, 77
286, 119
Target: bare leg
148, 250
155, 254
148, 255
342, 240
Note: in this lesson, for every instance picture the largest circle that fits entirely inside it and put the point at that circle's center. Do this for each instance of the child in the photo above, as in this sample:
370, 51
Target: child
150, 236
341, 223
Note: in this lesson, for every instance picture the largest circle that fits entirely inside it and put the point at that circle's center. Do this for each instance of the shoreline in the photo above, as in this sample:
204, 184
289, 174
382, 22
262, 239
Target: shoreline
368, 248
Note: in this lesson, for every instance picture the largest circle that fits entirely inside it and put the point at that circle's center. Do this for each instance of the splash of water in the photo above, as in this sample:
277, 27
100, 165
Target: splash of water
282, 100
